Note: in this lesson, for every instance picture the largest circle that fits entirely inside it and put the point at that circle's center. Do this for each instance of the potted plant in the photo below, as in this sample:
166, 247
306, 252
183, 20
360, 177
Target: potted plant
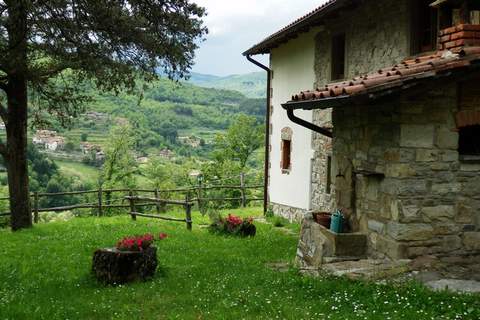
323, 218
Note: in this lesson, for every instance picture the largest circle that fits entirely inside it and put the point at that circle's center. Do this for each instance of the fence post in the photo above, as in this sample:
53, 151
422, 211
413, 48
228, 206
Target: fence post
199, 195
188, 212
100, 210
242, 186
35, 207
157, 196
132, 205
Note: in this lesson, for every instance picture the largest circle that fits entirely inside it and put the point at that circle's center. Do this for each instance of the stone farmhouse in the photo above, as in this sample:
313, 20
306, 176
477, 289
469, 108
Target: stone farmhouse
166, 153
378, 115
49, 140
191, 141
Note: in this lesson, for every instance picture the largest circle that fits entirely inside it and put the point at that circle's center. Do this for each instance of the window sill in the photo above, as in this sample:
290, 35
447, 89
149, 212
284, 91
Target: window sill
470, 159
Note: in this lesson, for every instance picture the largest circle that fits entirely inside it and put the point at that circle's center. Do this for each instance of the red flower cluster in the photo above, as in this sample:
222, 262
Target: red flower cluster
138, 243
234, 220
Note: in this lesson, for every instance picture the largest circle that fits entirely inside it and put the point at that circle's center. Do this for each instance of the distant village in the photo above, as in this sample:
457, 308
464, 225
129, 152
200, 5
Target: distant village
53, 142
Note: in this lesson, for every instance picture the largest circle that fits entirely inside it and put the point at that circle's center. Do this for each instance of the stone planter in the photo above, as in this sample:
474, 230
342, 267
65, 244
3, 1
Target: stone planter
112, 266
248, 230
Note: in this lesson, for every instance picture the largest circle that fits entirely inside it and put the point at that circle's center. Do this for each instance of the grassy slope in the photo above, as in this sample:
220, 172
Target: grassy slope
84, 172
44, 274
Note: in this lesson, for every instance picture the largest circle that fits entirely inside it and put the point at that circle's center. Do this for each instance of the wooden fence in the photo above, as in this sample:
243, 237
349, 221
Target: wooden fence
131, 199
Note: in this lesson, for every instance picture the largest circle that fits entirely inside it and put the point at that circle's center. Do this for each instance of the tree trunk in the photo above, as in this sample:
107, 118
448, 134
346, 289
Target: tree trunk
16, 157
15, 153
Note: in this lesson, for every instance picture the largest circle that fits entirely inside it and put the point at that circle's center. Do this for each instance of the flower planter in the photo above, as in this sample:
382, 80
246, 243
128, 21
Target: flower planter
112, 266
248, 230
233, 225
323, 218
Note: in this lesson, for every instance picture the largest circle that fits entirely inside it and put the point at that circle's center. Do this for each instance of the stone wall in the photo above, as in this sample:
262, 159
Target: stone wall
399, 176
373, 41
322, 199
373, 38
291, 213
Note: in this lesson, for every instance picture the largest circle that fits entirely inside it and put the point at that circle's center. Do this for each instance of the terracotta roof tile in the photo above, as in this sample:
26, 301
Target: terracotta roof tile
395, 76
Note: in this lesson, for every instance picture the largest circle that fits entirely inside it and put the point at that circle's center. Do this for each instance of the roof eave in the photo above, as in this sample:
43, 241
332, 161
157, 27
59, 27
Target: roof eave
325, 103
300, 26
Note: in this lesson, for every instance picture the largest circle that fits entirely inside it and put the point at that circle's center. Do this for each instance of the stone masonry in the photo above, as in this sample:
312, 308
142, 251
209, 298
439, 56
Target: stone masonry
373, 41
396, 169
400, 176
291, 213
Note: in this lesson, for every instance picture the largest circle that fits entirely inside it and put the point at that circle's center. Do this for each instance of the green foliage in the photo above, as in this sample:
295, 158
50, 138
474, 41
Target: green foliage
41, 168
84, 137
242, 139
45, 273
278, 221
50, 51
162, 176
47, 217
120, 167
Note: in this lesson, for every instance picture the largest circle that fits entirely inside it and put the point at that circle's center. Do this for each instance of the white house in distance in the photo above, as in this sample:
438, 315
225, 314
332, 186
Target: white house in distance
49, 140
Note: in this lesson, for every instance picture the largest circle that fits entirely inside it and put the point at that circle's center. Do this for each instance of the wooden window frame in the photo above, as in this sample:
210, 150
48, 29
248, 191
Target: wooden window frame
418, 31
286, 150
286, 163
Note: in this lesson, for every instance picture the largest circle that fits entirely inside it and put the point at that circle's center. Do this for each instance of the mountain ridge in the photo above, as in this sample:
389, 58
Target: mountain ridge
252, 85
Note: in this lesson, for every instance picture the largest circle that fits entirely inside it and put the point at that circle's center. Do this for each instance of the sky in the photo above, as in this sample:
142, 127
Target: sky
235, 26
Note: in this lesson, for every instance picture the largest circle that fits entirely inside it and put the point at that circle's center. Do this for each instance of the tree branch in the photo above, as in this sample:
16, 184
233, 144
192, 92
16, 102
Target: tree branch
3, 151
3, 114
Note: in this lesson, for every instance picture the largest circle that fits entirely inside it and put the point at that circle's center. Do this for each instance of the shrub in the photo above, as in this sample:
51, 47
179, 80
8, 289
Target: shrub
233, 225
279, 221
50, 216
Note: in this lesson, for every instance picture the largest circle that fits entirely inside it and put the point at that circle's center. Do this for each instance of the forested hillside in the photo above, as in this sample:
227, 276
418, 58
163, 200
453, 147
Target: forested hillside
251, 84
162, 114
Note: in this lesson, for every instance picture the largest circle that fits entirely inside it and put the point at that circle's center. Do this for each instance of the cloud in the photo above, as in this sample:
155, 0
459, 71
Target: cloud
237, 25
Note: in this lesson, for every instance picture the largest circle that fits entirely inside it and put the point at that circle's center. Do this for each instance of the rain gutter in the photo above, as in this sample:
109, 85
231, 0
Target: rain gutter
267, 131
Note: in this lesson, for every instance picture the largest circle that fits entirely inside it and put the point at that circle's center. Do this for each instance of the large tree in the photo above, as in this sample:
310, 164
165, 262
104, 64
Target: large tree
49, 47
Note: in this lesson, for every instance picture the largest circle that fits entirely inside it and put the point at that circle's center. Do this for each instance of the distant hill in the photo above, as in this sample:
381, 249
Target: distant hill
252, 85
168, 114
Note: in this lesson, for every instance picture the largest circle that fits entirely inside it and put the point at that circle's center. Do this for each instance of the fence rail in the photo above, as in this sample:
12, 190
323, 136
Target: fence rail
132, 200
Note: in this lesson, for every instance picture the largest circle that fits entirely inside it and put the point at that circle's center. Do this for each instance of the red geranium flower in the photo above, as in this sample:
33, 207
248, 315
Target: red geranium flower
162, 236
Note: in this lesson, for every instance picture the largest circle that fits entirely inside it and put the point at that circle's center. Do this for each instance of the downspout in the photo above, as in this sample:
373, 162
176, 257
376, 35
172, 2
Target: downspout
267, 132
306, 124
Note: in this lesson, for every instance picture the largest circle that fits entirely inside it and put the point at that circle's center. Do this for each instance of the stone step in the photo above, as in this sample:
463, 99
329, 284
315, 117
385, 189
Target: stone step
342, 258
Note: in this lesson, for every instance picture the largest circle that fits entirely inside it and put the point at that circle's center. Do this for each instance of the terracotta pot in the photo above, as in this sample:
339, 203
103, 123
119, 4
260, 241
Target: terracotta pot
323, 218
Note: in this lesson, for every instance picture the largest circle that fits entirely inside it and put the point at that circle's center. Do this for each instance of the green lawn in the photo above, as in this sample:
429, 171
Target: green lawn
45, 274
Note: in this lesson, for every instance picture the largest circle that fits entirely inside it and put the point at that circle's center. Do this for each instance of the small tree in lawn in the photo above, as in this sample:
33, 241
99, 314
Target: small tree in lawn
49, 48
243, 137
120, 167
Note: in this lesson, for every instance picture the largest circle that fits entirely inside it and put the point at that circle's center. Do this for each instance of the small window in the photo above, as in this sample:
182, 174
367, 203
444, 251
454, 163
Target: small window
469, 143
424, 28
286, 154
338, 57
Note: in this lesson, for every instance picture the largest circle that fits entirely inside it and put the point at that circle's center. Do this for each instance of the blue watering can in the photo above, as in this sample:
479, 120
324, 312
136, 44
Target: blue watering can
337, 222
